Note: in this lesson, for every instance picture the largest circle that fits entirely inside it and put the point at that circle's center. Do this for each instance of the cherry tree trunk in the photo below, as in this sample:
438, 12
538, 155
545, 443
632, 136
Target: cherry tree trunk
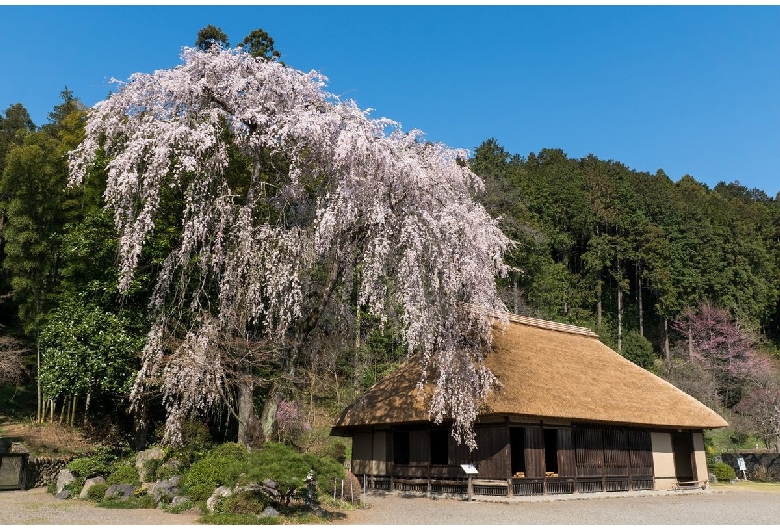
268, 417
246, 413
140, 426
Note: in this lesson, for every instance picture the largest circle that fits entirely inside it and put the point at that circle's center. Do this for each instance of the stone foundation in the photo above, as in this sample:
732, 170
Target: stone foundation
760, 466
42, 471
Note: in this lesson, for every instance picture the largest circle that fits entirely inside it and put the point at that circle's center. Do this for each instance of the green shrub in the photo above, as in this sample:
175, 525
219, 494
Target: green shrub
638, 350
724, 472
288, 468
97, 492
75, 487
244, 502
197, 443
86, 467
150, 468
180, 507
140, 501
219, 467
230, 464
124, 474
165, 472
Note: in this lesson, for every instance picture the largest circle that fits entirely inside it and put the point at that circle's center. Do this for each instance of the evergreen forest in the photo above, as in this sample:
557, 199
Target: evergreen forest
679, 278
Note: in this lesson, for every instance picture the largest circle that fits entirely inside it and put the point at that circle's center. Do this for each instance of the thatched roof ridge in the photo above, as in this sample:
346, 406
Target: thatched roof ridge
548, 324
549, 371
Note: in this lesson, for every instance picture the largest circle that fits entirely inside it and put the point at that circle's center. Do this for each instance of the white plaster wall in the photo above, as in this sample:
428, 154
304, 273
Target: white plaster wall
379, 453
663, 460
702, 474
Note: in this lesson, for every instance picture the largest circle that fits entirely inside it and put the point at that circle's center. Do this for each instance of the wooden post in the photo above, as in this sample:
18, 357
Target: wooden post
470, 489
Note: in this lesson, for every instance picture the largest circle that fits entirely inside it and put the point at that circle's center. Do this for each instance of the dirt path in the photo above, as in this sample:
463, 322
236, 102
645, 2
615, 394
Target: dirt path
38, 507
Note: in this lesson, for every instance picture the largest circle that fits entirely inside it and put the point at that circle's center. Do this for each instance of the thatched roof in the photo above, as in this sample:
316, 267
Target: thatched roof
550, 371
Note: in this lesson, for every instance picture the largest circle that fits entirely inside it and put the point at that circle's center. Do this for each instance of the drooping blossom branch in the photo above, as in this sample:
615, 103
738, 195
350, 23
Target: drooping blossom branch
322, 183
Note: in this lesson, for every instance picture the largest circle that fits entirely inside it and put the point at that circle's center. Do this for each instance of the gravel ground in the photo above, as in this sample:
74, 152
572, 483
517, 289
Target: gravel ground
38, 507
657, 508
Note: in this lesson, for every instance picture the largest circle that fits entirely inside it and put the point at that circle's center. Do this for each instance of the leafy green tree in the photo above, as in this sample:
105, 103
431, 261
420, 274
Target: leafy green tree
260, 44
88, 352
36, 206
14, 126
32, 190
209, 36
638, 350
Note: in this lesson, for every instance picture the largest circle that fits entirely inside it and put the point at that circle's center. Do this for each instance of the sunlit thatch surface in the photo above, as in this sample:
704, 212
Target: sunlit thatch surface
548, 371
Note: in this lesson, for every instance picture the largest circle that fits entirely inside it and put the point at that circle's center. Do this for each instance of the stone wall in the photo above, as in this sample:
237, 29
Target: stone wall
42, 471
760, 466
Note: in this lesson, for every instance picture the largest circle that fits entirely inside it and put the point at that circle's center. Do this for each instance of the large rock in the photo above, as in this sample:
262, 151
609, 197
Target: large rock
88, 484
153, 453
180, 499
269, 512
166, 489
119, 491
171, 467
218, 494
64, 494
64, 478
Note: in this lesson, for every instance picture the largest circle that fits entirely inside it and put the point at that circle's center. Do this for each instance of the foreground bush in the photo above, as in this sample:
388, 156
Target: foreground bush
124, 474
232, 465
724, 472
219, 467
101, 463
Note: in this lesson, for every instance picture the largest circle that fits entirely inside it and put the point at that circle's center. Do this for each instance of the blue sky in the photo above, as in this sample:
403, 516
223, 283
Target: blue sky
692, 90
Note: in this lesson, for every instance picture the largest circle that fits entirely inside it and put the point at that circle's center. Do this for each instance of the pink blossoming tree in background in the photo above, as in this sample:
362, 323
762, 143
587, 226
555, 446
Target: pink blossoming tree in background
283, 194
723, 347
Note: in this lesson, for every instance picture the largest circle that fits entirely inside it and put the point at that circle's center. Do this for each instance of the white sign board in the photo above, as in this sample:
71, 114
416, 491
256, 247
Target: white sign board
469, 469
741, 463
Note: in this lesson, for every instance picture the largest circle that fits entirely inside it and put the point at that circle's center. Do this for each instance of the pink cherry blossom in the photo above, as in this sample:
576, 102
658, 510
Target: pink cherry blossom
330, 189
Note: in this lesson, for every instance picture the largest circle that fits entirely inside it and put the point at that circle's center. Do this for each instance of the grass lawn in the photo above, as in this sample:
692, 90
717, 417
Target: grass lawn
747, 485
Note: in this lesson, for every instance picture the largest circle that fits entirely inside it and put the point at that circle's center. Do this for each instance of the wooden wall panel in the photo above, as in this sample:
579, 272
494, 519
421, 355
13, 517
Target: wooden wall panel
534, 452
616, 453
567, 466
589, 451
379, 452
458, 453
492, 454
641, 449
418, 447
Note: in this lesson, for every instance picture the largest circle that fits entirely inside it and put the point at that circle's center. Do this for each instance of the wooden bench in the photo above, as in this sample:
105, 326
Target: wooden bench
690, 485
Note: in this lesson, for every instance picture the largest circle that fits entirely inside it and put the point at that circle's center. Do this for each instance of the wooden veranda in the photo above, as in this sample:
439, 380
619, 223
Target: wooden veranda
513, 459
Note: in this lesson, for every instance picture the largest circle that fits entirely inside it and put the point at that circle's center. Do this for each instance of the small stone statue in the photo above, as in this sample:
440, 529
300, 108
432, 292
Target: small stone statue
310, 484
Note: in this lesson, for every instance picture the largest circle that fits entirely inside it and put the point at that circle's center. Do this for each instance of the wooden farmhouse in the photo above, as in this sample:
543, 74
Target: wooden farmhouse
570, 415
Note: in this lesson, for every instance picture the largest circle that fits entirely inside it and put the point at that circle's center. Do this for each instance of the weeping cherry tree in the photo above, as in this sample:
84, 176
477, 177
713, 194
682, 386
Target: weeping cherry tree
282, 194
